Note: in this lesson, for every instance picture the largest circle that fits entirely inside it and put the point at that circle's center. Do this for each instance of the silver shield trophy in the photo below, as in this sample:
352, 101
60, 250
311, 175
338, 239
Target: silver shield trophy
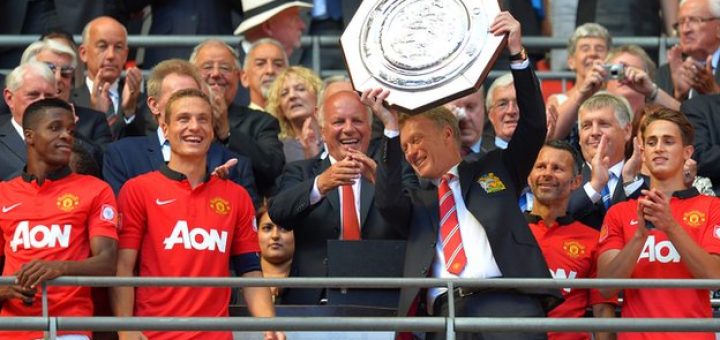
427, 52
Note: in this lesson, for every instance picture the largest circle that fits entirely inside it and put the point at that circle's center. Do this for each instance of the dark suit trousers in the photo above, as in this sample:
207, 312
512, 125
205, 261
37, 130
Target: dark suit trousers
490, 304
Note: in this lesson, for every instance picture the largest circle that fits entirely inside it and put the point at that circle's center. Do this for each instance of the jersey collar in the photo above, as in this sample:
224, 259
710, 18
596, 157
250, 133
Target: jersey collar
687, 193
176, 176
535, 219
52, 175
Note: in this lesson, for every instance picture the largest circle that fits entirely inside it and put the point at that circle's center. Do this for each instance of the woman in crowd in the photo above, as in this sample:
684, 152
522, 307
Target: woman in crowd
293, 101
277, 246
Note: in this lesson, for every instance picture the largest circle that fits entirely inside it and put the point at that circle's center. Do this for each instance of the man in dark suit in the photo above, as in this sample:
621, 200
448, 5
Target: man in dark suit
26, 84
701, 111
104, 51
248, 132
132, 156
473, 203
692, 65
91, 125
314, 193
604, 129
470, 112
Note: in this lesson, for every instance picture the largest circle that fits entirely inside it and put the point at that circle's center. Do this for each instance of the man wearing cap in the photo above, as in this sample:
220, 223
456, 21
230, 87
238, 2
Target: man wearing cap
279, 19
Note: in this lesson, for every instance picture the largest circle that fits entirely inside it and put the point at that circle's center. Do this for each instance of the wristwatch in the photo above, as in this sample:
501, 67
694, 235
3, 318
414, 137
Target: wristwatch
522, 56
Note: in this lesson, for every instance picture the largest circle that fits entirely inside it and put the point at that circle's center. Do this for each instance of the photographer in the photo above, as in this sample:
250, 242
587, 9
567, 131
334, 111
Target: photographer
627, 71
630, 75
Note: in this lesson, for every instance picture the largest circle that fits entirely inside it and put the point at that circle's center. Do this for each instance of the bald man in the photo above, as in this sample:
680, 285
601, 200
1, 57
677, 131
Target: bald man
314, 193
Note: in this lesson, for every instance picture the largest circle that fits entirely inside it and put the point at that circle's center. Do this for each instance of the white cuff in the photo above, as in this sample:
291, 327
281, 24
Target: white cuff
593, 195
315, 195
391, 133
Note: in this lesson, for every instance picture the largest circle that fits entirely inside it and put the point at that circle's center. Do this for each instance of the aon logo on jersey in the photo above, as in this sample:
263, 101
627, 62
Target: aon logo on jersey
196, 238
40, 236
663, 251
560, 273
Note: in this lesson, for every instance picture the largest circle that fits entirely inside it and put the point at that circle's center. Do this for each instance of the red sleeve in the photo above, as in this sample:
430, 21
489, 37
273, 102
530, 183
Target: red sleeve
595, 296
133, 216
611, 233
245, 235
102, 220
710, 239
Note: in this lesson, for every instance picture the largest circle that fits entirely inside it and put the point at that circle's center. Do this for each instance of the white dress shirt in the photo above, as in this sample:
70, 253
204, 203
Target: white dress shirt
316, 197
480, 259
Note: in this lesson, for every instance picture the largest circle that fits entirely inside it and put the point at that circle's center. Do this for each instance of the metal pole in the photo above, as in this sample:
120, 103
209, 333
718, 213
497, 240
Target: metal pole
450, 323
53, 329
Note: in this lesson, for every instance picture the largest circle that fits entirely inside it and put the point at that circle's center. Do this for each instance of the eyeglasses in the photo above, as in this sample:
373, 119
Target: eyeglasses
65, 71
504, 105
692, 21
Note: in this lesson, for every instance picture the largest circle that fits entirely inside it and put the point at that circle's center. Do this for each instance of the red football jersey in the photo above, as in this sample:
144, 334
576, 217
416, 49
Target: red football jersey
570, 250
53, 221
699, 216
179, 231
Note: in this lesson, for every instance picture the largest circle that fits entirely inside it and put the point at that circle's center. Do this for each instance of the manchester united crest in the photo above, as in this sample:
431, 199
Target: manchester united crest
220, 206
573, 248
694, 218
67, 202
491, 183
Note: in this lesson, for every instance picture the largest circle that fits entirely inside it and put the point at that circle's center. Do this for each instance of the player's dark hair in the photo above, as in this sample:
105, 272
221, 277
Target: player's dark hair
565, 146
34, 111
82, 161
676, 117
184, 93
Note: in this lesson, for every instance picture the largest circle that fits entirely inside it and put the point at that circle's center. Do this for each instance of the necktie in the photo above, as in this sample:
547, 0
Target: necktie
110, 114
351, 226
605, 193
464, 151
452, 245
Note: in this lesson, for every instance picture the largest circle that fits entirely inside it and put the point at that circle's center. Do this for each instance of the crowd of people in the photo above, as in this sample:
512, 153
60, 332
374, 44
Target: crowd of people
239, 161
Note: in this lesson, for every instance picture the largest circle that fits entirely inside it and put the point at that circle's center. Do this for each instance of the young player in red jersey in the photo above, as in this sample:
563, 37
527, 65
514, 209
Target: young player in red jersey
669, 232
181, 221
569, 247
53, 223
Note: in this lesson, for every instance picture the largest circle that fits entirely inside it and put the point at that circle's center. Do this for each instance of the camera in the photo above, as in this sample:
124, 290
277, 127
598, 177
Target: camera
614, 71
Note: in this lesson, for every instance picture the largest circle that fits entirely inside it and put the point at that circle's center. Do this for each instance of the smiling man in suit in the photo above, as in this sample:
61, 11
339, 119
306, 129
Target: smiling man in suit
466, 203
25, 85
132, 156
604, 123
332, 196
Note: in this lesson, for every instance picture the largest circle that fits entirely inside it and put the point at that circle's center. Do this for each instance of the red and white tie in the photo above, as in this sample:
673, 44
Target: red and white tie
452, 244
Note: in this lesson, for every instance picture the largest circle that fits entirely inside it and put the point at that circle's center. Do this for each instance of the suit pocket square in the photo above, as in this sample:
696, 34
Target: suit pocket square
491, 183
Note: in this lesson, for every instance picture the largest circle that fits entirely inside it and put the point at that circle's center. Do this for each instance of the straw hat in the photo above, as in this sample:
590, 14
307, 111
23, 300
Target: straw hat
256, 12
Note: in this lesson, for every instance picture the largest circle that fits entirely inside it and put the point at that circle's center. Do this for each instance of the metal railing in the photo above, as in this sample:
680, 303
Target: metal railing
450, 324
315, 43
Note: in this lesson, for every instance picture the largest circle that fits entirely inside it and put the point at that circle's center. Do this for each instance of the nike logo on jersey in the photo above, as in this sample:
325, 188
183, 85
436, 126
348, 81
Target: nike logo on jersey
159, 202
10, 207
634, 222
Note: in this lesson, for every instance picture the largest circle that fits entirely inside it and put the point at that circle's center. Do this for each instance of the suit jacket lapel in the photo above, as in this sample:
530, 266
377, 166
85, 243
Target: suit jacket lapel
367, 193
154, 153
333, 197
81, 96
9, 136
428, 197
466, 179
476, 201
